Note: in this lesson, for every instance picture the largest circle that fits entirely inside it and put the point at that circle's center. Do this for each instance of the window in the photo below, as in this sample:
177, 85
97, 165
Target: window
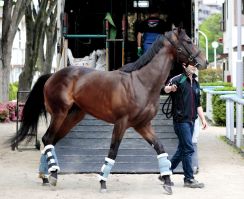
141, 4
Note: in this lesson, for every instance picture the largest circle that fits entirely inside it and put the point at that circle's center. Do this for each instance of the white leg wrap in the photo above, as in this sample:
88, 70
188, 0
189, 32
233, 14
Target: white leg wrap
164, 164
51, 157
106, 169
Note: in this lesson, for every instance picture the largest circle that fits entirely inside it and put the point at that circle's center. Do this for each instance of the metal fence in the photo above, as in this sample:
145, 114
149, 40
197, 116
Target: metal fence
21, 98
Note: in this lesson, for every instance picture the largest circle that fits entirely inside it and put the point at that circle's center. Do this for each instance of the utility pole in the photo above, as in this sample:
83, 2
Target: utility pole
206, 42
215, 45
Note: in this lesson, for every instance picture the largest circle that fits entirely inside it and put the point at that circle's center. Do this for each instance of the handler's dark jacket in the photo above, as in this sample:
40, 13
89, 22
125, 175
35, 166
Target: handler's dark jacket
186, 99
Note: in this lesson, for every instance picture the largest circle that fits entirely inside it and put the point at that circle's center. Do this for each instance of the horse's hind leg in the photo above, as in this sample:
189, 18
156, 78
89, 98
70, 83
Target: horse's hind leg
118, 132
148, 134
48, 161
70, 121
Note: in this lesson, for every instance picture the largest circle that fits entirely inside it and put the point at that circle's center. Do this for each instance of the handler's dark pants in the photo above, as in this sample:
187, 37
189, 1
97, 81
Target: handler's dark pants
185, 149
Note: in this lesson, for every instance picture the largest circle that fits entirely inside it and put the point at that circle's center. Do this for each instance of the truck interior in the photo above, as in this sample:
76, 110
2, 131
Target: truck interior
87, 17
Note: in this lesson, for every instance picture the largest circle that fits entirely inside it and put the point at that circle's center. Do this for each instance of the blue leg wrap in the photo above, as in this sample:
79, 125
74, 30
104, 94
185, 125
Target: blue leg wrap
164, 164
51, 158
106, 169
43, 167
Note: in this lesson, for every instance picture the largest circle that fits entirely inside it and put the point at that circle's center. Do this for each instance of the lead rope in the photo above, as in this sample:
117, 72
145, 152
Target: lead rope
167, 107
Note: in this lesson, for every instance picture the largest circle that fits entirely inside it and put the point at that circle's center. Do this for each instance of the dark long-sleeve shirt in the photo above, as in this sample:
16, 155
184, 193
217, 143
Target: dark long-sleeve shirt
186, 99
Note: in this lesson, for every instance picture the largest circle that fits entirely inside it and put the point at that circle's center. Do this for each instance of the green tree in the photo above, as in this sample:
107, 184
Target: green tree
211, 27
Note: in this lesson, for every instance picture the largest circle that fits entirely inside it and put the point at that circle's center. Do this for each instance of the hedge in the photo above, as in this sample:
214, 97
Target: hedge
13, 89
219, 107
227, 86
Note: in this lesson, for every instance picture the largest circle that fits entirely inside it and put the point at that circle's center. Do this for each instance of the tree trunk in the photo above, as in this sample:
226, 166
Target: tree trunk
5, 76
51, 35
13, 12
4, 79
40, 64
7, 44
35, 28
26, 76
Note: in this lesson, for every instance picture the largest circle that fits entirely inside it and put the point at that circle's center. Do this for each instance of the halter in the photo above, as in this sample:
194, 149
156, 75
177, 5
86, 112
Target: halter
186, 52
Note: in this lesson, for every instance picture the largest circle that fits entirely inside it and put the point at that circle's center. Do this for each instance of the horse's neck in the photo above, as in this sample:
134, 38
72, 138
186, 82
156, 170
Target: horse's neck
155, 73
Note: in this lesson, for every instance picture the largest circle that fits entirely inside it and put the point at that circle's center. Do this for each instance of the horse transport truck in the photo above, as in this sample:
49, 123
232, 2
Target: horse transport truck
90, 29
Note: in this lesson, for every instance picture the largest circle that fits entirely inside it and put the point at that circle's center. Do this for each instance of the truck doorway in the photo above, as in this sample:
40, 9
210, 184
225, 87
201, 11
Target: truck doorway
87, 17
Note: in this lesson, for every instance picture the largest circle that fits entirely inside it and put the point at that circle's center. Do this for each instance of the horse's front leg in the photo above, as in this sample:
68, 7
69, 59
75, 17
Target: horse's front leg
148, 134
118, 132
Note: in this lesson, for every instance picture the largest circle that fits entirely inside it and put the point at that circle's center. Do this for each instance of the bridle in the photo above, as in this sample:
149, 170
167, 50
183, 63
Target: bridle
181, 48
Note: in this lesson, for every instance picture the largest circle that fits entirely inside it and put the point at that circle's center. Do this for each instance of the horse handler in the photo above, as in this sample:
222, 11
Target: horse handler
185, 93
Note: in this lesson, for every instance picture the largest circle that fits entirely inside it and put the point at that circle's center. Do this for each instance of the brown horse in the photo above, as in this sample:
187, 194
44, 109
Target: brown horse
128, 97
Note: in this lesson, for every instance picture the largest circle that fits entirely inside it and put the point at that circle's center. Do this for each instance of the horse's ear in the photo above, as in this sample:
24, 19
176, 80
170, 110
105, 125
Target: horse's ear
179, 30
180, 27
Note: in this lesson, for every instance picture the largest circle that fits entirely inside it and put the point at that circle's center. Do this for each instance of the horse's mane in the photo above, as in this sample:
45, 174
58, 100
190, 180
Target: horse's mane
145, 58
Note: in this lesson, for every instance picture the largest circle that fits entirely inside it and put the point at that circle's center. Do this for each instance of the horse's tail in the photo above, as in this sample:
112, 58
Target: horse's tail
34, 107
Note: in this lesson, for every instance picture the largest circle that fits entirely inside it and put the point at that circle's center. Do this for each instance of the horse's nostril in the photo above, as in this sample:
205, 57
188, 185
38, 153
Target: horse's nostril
207, 62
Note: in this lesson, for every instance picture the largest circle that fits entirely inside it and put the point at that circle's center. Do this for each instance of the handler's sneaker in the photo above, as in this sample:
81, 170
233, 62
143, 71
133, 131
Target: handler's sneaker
193, 184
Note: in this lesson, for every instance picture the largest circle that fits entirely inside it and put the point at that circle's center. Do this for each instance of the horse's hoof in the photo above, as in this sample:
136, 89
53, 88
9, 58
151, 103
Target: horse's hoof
167, 183
52, 181
163, 180
103, 190
44, 178
53, 178
168, 189
45, 181
103, 186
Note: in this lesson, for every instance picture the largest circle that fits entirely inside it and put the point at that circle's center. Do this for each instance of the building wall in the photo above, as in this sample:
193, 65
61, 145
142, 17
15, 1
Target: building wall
18, 50
230, 38
207, 8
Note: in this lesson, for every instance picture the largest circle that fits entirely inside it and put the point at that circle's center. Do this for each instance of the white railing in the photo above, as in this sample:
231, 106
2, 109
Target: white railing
236, 138
209, 90
231, 98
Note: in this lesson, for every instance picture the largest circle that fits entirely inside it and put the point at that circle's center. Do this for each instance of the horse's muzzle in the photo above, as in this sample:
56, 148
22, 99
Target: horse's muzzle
201, 66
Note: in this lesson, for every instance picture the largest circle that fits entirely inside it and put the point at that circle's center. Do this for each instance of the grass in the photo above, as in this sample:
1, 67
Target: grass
233, 146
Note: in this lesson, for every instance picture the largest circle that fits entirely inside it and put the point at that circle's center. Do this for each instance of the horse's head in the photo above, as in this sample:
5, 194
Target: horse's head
186, 51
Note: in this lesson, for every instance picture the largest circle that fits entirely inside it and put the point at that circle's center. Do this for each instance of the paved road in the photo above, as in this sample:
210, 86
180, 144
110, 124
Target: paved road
221, 169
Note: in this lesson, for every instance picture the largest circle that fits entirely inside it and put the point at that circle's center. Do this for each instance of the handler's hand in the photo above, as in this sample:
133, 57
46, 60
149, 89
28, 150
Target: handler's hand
173, 88
139, 51
204, 124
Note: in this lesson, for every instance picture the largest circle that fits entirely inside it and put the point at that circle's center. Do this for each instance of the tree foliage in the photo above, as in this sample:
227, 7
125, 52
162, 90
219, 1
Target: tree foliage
210, 75
212, 28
